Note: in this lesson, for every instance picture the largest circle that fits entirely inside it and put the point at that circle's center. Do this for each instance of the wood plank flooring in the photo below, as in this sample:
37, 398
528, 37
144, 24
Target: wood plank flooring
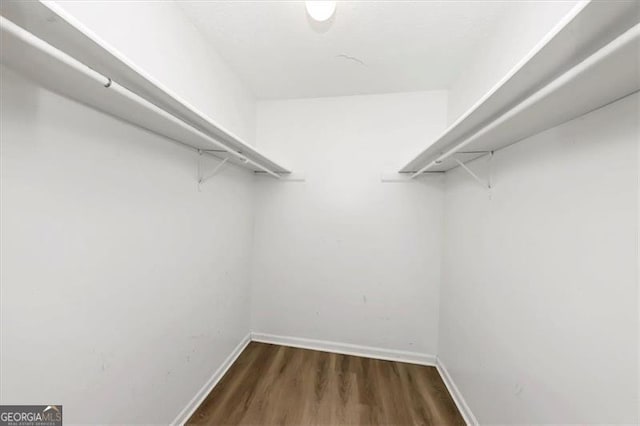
271, 384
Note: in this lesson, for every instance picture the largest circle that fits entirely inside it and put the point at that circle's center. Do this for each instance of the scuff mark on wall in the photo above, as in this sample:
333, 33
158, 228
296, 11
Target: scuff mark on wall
351, 58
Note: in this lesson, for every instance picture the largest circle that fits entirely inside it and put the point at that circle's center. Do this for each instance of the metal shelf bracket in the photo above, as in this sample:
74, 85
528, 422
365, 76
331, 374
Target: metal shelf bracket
201, 178
486, 184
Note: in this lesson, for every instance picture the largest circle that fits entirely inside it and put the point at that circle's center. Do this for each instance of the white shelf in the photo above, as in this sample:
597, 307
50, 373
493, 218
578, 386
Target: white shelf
591, 59
51, 24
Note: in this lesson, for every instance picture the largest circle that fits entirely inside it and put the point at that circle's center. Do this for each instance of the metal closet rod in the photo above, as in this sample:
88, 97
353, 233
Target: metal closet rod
619, 42
108, 83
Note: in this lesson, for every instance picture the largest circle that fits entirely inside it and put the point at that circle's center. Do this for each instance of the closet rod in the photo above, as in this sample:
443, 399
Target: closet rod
621, 41
29, 38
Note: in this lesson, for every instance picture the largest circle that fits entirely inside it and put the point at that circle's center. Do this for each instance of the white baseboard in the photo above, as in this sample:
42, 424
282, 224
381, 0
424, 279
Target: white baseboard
193, 405
346, 349
455, 394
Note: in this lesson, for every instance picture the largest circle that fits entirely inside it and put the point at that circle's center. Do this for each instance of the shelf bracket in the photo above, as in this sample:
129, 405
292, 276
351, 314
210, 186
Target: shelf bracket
201, 178
486, 184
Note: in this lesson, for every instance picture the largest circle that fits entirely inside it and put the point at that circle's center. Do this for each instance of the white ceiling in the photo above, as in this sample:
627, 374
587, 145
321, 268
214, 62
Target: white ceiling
366, 47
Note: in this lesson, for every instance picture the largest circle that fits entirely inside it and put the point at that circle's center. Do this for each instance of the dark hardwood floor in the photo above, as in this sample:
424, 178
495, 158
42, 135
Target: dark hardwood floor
271, 384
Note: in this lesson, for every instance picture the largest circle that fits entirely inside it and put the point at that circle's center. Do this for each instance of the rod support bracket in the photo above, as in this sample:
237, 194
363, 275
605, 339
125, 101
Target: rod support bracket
485, 183
201, 177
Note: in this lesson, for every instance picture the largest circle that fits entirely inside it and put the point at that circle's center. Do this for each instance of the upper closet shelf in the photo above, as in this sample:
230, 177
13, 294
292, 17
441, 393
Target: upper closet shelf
44, 43
589, 60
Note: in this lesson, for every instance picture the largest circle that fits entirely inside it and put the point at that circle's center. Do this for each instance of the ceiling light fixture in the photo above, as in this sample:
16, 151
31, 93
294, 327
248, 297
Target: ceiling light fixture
320, 10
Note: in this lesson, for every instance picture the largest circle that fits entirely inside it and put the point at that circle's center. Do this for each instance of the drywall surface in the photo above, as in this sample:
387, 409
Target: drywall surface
539, 299
516, 34
367, 47
344, 257
122, 288
159, 38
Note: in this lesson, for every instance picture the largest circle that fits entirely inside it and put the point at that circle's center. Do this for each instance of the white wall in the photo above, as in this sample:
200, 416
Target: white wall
343, 257
123, 287
159, 38
524, 24
121, 283
539, 301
